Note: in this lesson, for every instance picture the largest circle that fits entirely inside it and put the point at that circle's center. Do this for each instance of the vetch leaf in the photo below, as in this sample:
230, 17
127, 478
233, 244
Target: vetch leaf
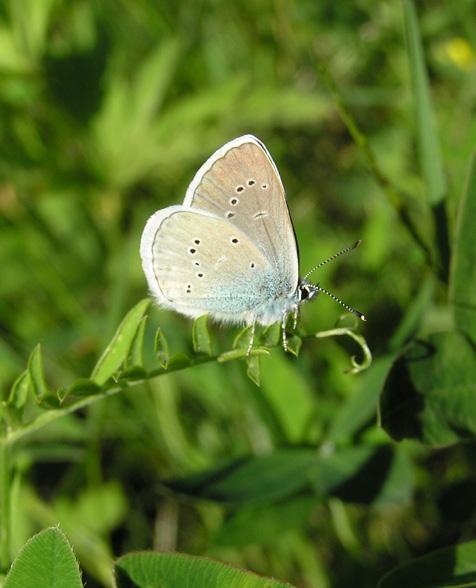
161, 348
463, 263
118, 349
19, 392
172, 570
450, 566
429, 394
200, 335
294, 345
37, 375
82, 387
46, 560
177, 361
135, 357
253, 369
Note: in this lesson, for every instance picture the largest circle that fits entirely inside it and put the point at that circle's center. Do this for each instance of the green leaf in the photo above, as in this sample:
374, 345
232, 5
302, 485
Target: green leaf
253, 370
242, 339
177, 361
294, 345
172, 570
19, 392
372, 475
271, 335
37, 374
46, 560
288, 399
255, 479
463, 262
428, 144
450, 566
161, 348
265, 524
363, 402
359, 407
118, 349
240, 353
135, 357
82, 387
429, 394
200, 335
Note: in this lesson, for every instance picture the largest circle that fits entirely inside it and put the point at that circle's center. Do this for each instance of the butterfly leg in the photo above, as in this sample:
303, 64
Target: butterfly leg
252, 338
295, 316
283, 331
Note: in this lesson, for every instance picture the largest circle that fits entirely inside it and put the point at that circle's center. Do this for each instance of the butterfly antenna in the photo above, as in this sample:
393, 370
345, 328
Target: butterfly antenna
345, 250
341, 302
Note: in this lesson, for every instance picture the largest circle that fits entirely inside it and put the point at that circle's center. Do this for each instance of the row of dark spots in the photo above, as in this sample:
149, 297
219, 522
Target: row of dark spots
250, 182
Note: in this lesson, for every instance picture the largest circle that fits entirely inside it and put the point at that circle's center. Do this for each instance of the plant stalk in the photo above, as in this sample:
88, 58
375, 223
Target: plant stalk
4, 507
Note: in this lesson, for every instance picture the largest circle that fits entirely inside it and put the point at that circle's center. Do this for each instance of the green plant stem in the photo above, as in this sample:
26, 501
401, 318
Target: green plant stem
395, 196
4, 506
52, 415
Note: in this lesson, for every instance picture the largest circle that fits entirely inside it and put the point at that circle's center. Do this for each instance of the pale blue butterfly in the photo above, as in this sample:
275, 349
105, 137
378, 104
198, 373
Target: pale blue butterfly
230, 249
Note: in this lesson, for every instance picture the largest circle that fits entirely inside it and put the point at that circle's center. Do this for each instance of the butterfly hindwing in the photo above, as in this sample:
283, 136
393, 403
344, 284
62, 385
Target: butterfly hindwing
196, 262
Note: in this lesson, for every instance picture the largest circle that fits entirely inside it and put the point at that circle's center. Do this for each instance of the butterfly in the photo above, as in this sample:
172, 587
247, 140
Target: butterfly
230, 249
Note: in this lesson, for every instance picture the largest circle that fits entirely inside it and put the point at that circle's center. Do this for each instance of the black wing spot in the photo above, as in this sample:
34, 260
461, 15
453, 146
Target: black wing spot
199, 275
234, 240
264, 186
197, 241
234, 201
197, 263
252, 265
260, 214
239, 188
192, 251
251, 182
229, 214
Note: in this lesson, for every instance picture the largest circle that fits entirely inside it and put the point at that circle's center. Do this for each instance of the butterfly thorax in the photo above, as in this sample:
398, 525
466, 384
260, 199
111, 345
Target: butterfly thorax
283, 302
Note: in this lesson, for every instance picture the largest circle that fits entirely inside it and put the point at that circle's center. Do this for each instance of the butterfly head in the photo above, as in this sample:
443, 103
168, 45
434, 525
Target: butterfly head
306, 291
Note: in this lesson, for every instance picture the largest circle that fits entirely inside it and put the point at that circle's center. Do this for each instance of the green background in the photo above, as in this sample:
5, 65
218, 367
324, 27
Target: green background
106, 111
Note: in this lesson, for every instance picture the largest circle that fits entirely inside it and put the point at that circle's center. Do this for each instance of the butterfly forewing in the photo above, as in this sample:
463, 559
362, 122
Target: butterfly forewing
196, 262
241, 185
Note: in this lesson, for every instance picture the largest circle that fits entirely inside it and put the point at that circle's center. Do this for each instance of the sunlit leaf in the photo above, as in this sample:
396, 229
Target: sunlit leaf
37, 374
200, 336
118, 349
135, 357
161, 348
253, 369
294, 345
47, 560
172, 570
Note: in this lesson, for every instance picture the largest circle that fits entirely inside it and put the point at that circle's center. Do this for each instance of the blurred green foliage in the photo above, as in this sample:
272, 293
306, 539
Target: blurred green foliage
106, 111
